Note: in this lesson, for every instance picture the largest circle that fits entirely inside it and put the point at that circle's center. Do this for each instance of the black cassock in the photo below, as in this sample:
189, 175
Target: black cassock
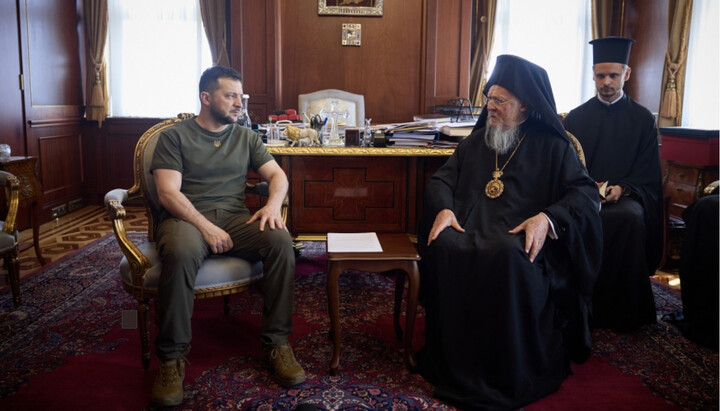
699, 272
500, 330
621, 147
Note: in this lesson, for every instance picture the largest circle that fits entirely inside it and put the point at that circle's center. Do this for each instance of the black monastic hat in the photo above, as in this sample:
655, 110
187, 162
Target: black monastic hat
528, 82
611, 50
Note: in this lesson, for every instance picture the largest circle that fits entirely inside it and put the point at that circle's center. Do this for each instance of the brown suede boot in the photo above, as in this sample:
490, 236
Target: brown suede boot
167, 391
284, 368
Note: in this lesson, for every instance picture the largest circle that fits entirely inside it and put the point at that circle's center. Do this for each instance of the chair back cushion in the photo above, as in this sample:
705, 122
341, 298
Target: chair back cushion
216, 272
148, 181
143, 160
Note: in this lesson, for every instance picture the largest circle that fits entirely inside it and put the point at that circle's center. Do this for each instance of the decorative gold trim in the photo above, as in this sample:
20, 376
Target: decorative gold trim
362, 151
375, 11
209, 292
311, 237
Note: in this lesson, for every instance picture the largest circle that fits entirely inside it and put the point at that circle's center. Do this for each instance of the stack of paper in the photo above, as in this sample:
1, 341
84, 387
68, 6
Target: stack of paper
353, 243
415, 134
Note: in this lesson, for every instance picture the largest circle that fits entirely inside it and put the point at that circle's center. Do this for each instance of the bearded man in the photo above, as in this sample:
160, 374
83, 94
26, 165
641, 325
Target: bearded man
200, 167
510, 241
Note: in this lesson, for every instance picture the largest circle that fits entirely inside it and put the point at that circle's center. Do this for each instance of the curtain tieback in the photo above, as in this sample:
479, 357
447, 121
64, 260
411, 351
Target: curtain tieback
97, 96
668, 109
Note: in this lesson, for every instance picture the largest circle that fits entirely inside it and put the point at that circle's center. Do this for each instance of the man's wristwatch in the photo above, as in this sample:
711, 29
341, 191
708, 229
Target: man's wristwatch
625, 190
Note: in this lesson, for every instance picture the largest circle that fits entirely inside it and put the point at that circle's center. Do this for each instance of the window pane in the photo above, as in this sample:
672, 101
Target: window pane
554, 37
157, 52
701, 107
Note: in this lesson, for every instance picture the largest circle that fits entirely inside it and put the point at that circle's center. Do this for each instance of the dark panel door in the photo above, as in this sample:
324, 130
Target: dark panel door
11, 103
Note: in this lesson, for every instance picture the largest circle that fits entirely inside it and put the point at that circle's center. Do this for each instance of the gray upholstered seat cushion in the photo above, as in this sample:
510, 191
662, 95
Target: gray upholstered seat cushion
7, 240
216, 271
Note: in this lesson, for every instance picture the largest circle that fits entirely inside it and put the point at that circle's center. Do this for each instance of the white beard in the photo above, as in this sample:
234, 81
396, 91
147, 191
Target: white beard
501, 140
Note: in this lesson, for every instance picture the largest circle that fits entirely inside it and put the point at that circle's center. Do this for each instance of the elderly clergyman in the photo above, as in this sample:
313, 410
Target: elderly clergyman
510, 241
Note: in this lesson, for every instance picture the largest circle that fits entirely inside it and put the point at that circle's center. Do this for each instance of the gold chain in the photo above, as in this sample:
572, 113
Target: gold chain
495, 187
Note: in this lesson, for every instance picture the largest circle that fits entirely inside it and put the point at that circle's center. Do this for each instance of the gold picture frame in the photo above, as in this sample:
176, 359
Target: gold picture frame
350, 8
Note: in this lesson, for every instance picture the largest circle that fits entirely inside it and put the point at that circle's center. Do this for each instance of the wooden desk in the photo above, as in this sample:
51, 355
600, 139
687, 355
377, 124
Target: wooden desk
398, 255
692, 163
31, 194
356, 189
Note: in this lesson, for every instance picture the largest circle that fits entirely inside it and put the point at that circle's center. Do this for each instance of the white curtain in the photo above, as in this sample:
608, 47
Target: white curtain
701, 103
553, 35
157, 51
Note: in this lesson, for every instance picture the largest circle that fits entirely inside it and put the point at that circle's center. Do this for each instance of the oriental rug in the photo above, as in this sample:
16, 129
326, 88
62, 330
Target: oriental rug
64, 348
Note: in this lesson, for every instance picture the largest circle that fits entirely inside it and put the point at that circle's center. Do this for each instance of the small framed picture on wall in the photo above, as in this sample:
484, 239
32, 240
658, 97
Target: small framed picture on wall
350, 7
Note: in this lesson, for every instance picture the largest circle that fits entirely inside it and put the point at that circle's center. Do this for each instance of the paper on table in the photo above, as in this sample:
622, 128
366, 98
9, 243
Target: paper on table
353, 243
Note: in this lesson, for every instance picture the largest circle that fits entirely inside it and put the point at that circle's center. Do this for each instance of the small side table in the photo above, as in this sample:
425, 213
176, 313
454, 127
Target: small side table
31, 194
399, 255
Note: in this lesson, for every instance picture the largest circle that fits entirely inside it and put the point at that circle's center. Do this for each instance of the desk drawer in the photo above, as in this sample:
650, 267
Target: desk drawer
681, 174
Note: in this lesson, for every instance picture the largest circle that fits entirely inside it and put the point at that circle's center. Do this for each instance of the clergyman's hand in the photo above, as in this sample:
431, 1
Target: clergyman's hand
613, 194
536, 230
269, 215
217, 239
444, 219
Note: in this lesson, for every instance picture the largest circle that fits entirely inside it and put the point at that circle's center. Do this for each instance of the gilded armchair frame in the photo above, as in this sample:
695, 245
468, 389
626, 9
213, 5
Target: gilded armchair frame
138, 262
9, 253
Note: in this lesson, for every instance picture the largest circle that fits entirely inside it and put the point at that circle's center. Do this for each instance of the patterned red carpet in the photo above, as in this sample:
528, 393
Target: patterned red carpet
64, 348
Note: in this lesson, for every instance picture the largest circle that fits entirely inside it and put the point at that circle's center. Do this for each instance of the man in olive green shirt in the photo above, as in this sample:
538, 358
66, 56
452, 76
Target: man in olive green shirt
200, 167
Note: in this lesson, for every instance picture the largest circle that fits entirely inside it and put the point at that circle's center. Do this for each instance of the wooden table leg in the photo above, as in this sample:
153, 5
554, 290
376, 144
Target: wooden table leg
399, 288
36, 232
334, 272
413, 291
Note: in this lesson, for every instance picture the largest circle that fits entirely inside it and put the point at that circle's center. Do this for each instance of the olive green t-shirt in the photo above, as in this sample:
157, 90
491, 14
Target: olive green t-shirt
214, 166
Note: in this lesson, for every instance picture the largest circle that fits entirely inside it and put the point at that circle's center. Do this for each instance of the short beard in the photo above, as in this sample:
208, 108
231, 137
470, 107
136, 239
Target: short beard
501, 140
219, 117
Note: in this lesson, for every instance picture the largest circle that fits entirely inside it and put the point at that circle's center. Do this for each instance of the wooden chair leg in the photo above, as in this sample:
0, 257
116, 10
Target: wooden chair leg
399, 288
144, 317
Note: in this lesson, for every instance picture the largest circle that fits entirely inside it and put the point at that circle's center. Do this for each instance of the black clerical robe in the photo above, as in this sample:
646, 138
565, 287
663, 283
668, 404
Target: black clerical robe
500, 330
699, 272
621, 147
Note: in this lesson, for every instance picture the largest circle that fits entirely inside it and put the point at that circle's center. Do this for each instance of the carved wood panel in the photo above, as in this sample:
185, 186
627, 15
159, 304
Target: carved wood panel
348, 194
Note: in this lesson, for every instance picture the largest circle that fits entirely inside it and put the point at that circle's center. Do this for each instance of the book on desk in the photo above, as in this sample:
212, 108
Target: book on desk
456, 131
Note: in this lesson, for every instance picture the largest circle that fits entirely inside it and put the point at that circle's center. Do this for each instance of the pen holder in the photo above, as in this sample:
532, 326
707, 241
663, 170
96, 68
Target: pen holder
352, 137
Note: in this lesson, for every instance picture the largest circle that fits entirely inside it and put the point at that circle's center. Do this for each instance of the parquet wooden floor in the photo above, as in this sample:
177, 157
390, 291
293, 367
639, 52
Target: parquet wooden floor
71, 232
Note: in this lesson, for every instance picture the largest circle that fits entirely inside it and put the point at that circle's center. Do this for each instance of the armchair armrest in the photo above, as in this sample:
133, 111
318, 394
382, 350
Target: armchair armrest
139, 264
711, 188
263, 189
12, 194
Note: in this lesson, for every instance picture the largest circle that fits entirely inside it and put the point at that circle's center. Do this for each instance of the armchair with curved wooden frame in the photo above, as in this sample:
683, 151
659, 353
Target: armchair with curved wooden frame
9, 236
140, 266
576, 144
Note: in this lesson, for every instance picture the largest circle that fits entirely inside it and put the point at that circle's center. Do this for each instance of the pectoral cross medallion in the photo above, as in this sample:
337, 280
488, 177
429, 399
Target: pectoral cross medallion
495, 187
